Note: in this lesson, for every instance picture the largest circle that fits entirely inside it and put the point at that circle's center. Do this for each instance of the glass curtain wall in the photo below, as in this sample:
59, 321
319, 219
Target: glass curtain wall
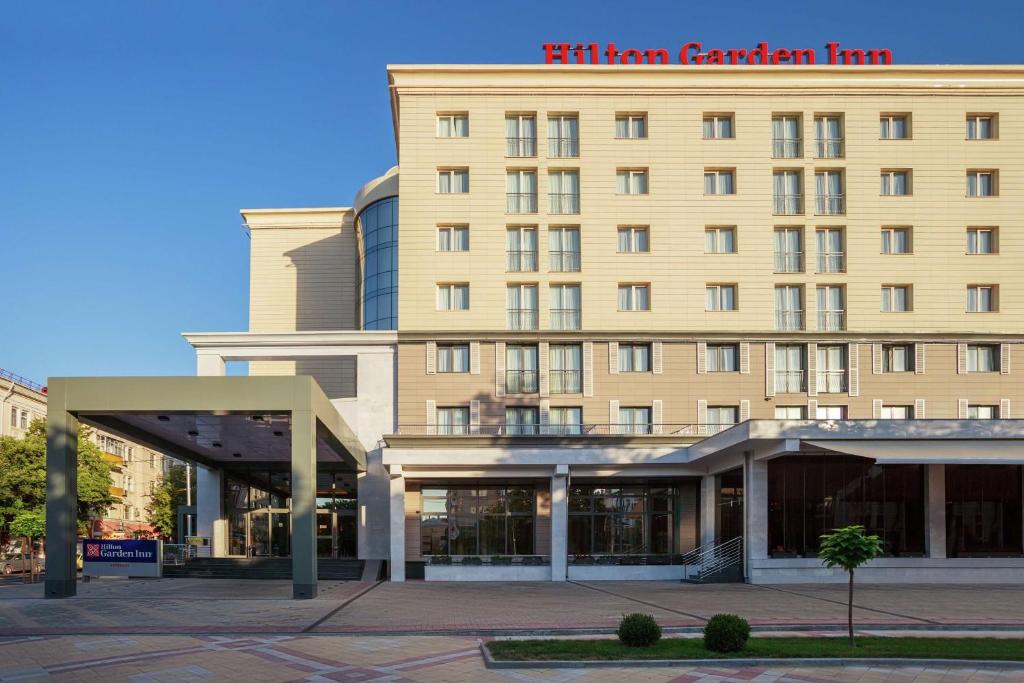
621, 520
378, 230
492, 520
983, 511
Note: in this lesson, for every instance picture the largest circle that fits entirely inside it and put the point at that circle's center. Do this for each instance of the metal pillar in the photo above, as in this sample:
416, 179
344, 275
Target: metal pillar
61, 495
304, 568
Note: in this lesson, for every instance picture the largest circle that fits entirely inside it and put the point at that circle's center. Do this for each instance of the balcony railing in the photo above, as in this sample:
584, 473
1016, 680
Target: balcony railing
522, 318
787, 204
563, 147
829, 205
789, 381
452, 430
584, 430
831, 321
521, 381
829, 148
565, 318
789, 321
831, 381
565, 261
712, 428
787, 148
521, 147
831, 262
565, 381
565, 203
789, 262
520, 202
520, 261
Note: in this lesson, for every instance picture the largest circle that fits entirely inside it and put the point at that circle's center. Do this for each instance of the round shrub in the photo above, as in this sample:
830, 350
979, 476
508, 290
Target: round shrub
726, 633
638, 630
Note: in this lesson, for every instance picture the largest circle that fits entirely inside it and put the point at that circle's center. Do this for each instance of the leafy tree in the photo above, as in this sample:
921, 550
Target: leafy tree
849, 548
30, 525
163, 506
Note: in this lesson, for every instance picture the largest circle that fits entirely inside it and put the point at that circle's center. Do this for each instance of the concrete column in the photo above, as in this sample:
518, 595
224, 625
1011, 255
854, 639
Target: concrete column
209, 364
935, 497
755, 510
210, 522
559, 523
61, 495
304, 567
708, 509
397, 514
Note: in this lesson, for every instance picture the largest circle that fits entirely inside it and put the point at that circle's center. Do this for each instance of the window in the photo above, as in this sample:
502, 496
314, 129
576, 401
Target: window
634, 357
828, 137
982, 358
453, 238
631, 181
789, 308
564, 191
452, 421
565, 421
521, 421
787, 193
723, 358
520, 369
565, 307
983, 510
982, 412
789, 368
789, 253
982, 298
634, 420
630, 126
831, 413
897, 358
981, 241
831, 255
452, 180
621, 520
895, 183
786, 137
129, 483
720, 240
896, 240
107, 444
14, 417
521, 191
477, 520
563, 136
721, 418
634, 239
453, 357
831, 368
564, 249
634, 297
565, 368
981, 126
720, 298
521, 307
719, 181
453, 125
790, 412
894, 126
896, 299
521, 249
453, 297
897, 412
520, 135
718, 126
981, 184
829, 190
831, 311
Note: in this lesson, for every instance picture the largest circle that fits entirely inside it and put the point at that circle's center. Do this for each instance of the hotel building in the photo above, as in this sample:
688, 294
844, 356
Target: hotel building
633, 322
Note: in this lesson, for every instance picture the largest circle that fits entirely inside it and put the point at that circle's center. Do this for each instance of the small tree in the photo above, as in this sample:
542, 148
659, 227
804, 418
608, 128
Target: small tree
849, 548
30, 525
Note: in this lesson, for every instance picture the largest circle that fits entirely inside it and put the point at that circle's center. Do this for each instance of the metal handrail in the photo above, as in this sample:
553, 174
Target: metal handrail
831, 321
714, 557
789, 320
521, 202
786, 148
564, 147
564, 261
789, 262
23, 381
787, 204
524, 261
563, 202
522, 318
565, 381
521, 147
831, 261
521, 381
829, 205
585, 429
829, 148
789, 381
565, 318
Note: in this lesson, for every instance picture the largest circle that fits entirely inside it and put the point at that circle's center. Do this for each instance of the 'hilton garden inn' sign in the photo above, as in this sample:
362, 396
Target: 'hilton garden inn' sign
121, 558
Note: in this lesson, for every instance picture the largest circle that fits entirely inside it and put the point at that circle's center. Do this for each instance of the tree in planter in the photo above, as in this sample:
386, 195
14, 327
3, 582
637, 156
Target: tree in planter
29, 525
849, 548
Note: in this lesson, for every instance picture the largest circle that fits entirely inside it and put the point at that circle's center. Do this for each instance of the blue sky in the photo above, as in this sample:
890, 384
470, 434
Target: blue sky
132, 132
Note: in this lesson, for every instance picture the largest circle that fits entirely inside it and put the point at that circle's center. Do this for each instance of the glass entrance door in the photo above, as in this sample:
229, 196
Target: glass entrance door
269, 533
326, 534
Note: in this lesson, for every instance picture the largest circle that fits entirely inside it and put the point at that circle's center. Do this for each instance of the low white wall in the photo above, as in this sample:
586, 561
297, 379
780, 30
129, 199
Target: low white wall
668, 572
440, 572
893, 570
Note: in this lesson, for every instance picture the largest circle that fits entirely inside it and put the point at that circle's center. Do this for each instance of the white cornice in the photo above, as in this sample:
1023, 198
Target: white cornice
336, 338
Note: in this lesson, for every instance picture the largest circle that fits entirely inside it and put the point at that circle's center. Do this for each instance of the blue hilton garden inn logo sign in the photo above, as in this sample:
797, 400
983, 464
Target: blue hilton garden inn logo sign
121, 558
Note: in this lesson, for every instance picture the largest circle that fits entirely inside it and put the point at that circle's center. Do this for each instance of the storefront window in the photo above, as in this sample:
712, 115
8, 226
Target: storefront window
477, 521
621, 520
983, 510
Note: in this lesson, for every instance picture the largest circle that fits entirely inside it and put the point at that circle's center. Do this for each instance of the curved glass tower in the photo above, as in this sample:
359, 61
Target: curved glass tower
377, 225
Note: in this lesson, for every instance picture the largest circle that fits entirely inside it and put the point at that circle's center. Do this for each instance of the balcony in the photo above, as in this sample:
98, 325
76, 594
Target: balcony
789, 381
563, 148
831, 262
521, 381
789, 321
565, 319
831, 381
789, 262
522, 318
712, 428
112, 458
520, 147
828, 148
565, 203
452, 430
829, 205
520, 261
688, 432
831, 321
520, 202
787, 204
565, 381
565, 261
787, 148
117, 491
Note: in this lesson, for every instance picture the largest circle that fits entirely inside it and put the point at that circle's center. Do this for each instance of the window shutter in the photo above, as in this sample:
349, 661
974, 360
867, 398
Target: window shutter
474, 358
656, 416
876, 408
744, 358
431, 358
613, 357
1004, 359
919, 413
431, 417
876, 359
812, 409
656, 358
961, 409
853, 368
961, 359
744, 410
812, 369
545, 415
613, 417
543, 361
474, 417
588, 369
1004, 409
702, 417
769, 369
919, 359
702, 358
499, 368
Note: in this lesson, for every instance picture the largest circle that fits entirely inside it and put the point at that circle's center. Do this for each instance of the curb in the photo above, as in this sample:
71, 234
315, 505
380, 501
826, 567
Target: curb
492, 663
